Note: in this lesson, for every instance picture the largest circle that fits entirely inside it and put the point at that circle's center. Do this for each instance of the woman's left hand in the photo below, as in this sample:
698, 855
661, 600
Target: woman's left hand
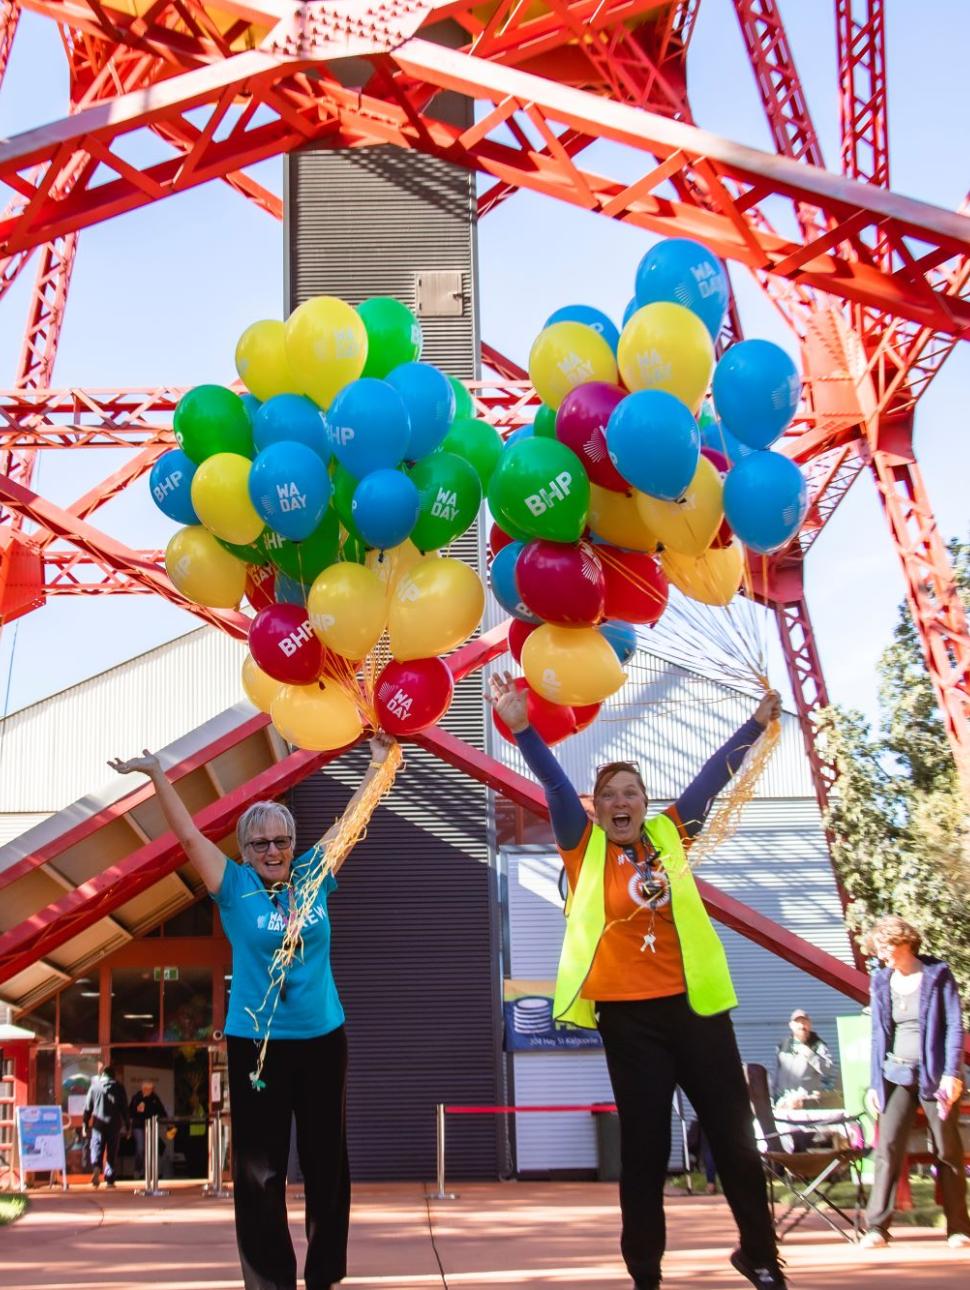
948, 1094
380, 746
769, 709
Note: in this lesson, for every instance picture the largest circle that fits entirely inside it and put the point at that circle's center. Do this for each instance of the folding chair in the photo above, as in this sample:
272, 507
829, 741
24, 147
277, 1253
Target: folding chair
809, 1175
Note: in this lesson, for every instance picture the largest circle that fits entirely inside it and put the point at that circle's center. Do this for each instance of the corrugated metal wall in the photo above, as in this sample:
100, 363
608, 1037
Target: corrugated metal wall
416, 944
52, 752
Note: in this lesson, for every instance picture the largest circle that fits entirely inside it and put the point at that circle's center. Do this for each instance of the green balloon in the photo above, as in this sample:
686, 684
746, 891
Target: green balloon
476, 442
541, 490
353, 550
211, 419
544, 424
393, 335
251, 553
344, 485
304, 560
464, 406
451, 494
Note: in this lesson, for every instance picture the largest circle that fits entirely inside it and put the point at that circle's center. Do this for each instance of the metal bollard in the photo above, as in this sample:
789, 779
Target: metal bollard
214, 1187
441, 1194
151, 1187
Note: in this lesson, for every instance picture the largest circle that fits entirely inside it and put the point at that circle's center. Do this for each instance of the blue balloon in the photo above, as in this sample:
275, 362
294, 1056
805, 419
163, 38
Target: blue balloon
171, 485
294, 418
429, 398
654, 443
622, 636
716, 435
504, 589
368, 427
630, 310
385, 508
252, 406
686, 273
290, 488
590, 317
756, 391
523, 432
289, 591
765, 500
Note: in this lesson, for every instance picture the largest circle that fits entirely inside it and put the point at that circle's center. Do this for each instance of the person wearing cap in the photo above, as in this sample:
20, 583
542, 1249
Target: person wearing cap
803, 1064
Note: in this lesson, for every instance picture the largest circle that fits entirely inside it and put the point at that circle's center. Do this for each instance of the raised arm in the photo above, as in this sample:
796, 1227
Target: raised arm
692, 807
205, 855
569, 818
380, 746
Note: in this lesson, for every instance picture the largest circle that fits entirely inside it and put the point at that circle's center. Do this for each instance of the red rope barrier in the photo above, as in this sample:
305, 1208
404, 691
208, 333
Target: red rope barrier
495, 1110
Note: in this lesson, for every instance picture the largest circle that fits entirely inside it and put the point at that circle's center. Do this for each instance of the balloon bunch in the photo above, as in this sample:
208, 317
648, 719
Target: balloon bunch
324, 495
631, 478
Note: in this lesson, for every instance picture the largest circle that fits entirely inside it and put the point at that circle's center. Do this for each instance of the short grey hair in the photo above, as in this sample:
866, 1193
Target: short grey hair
253, 817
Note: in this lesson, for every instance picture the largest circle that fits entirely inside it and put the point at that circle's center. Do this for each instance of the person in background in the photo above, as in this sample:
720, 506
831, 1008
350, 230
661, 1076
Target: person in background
803, 1065
642, 963
105, 1116
305, 1069
917, 1060
143, 1106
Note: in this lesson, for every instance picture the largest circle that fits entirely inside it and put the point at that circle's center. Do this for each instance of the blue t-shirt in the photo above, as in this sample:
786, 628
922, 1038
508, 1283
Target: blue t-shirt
255, 923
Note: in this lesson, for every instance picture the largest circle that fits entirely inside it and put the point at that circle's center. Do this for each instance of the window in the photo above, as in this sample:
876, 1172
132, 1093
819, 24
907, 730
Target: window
188, 1004
79, 1011
41, 1019
135, 998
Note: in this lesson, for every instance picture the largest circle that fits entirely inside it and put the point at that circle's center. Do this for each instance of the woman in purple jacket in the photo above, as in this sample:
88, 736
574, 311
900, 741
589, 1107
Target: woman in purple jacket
917, 1057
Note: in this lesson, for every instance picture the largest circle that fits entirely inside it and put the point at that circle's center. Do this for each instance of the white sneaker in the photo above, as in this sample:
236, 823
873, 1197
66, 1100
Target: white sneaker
874, 1240
958, 1241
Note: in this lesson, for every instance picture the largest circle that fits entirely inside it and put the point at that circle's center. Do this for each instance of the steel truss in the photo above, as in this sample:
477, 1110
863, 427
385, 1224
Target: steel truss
876, 286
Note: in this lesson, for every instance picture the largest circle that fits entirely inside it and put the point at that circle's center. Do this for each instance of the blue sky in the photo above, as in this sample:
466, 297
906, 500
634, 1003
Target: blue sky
160, 296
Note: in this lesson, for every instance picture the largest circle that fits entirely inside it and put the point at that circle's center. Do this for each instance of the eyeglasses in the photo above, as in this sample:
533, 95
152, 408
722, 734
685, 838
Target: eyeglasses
262, 845
632, 766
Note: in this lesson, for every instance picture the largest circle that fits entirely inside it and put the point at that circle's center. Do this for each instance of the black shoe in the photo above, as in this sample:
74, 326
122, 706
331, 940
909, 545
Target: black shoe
109, 1182
768, 1276
95, 1177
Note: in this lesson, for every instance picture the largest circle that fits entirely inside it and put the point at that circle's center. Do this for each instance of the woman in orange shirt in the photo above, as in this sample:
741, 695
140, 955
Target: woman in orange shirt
655, 984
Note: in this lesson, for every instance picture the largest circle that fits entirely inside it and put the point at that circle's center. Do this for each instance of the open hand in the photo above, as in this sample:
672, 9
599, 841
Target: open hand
380, 745
147, 764
871, 1105
769, 709
508, 702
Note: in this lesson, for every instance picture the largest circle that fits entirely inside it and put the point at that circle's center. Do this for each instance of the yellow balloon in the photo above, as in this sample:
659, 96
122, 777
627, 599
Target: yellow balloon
220, 495
390, 565
666, 347
347, 605
326, 346
317, 717
690, 525
259, 688
712, 578
435, 606
570, 665
203, 570
261, 360
616, 518
565, 355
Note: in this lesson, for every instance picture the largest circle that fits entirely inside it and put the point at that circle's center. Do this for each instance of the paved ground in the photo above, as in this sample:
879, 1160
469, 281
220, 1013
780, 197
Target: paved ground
561, 1236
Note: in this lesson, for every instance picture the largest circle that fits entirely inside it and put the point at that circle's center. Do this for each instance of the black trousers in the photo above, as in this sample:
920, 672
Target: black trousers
305, 1078
894, 1126
652, 1045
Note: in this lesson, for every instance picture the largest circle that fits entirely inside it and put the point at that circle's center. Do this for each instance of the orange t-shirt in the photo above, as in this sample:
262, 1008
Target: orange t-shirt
638, 956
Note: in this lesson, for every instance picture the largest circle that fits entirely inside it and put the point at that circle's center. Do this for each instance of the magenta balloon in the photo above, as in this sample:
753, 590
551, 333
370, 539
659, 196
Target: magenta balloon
581, 425
561, 583
283, 644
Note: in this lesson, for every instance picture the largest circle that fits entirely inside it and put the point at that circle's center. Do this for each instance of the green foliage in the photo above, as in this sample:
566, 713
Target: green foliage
12, 1207
899, 820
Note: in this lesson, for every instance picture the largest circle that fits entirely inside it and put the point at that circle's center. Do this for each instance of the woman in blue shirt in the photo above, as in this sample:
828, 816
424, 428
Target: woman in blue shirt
303, 1074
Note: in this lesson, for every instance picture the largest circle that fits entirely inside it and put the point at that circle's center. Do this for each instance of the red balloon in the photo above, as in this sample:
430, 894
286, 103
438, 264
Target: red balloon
497, 538
519, 633
581, 425
552, 721
717, 460
586, 715
561, 583
636, 586
261, 586
412, 696
283, 644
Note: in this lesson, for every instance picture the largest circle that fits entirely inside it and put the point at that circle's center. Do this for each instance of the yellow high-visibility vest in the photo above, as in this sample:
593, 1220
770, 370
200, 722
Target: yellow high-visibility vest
709, 986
